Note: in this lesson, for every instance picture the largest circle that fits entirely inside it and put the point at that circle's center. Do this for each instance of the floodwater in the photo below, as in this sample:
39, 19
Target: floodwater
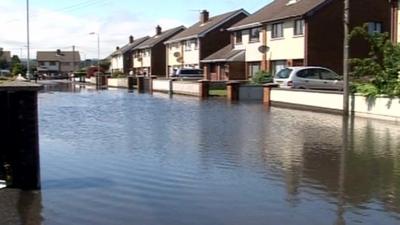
114, 157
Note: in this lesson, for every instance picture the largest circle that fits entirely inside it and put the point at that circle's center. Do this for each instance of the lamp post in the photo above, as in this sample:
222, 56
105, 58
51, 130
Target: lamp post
28, 73
98, 52
346, 58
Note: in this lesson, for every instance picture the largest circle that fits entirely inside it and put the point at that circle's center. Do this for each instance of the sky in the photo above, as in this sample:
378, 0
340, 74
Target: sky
61, 24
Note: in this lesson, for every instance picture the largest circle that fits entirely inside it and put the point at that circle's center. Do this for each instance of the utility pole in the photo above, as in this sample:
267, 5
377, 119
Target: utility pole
28, 73
346, 88
73, 58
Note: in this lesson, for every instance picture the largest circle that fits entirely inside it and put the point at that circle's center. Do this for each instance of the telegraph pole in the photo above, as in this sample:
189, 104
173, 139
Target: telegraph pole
346, 88
73, 58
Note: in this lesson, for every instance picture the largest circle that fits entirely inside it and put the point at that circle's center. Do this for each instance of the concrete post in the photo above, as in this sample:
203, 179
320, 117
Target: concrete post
131, 82
267, 93
19, 135
140, 84
204, 86
232, 88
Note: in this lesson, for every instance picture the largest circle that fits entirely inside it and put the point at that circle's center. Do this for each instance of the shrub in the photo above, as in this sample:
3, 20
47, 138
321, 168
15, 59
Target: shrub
261, 77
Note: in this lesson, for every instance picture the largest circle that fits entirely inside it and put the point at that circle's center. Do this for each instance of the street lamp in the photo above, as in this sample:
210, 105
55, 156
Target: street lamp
98, 51
28, 73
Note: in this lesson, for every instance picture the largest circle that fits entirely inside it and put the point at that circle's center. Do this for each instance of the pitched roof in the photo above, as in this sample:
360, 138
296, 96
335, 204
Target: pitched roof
66, 56
199, 29
129, 46
6, 56
226, 54
278, 10
160, 38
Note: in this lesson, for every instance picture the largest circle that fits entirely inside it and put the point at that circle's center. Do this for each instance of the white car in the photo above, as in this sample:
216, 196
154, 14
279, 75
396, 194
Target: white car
308, 77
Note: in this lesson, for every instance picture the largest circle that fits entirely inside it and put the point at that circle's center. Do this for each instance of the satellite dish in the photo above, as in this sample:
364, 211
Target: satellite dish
263, 49
177, 54
179, 59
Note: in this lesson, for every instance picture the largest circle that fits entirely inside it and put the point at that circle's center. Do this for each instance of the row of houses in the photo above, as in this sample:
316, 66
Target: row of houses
236, 45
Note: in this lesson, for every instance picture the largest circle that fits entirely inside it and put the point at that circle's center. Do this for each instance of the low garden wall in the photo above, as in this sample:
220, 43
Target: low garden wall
251, 92
118, 82
186, 88
161, 85
377, 107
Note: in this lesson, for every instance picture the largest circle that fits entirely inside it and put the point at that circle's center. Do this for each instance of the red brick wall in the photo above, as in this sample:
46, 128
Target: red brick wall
325, 31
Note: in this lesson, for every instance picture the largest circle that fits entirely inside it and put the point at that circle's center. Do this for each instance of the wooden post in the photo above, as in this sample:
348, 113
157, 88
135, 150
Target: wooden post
233, 90
204, 86
140, 84
19, 135
151, 80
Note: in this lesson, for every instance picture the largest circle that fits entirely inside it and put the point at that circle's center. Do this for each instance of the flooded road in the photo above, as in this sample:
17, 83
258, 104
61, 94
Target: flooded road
114, 157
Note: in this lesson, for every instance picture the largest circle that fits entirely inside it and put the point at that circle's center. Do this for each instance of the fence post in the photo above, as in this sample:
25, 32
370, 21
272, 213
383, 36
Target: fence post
131, 82
151, 80
204, 86
232, 88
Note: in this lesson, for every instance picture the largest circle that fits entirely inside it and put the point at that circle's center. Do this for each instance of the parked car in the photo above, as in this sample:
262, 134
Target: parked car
4, 72
308, 77
190, 73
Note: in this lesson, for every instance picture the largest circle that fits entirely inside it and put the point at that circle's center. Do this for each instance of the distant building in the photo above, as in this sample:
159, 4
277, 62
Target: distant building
122, 58
57, 62
150, 57
6, 56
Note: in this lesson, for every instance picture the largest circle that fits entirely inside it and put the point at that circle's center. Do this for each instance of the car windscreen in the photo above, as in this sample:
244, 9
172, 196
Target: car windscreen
283, 73
197, 72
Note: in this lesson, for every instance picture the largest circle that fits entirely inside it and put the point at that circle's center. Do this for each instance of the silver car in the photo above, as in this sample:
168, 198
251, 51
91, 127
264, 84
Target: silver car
308, 77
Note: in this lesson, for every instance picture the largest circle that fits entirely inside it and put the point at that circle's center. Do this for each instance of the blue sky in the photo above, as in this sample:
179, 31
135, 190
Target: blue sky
63, 23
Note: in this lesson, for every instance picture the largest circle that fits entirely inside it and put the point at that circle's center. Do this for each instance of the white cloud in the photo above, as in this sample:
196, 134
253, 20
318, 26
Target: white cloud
51, 30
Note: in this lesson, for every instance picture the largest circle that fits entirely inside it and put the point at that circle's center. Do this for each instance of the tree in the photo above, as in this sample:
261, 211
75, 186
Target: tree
379, 72
18, 69
15, 60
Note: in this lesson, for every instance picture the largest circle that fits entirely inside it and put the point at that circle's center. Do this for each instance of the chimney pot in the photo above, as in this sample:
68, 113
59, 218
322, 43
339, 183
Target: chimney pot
117, 48
131, 39
204, 16
158, 30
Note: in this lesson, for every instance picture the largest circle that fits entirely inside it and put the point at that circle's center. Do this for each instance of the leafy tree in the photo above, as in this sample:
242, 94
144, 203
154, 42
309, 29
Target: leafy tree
379, 72
18, 69
15, 60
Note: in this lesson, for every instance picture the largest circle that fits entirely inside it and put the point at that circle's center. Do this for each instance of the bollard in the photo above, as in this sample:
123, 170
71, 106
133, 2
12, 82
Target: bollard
19, 135
131, 82
233, 90
204, 86
140, 84
267, 93
171, 86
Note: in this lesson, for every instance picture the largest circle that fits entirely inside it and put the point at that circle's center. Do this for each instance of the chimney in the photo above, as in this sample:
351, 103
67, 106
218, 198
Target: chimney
204, 16
117, 48
131, 39
158, 30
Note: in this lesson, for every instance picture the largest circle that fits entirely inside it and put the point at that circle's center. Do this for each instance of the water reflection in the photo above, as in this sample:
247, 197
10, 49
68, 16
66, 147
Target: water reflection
20, 207
126, 158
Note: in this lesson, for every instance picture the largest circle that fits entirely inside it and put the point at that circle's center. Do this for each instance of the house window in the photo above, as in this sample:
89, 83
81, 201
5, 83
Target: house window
298, 27
374, 27
196, 44
238, 37
253, 69
255, 34
278, 65
188, 46
52, 63
277, 30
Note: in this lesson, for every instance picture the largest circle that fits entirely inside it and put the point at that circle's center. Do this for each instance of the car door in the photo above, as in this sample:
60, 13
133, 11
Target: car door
308, 78
330, 80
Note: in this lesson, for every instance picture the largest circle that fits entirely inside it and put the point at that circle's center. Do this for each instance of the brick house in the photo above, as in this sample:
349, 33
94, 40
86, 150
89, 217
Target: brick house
305, 32
57, 62
5, 55
149, 57
225, 64
186, 49
122, 58
395, 21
